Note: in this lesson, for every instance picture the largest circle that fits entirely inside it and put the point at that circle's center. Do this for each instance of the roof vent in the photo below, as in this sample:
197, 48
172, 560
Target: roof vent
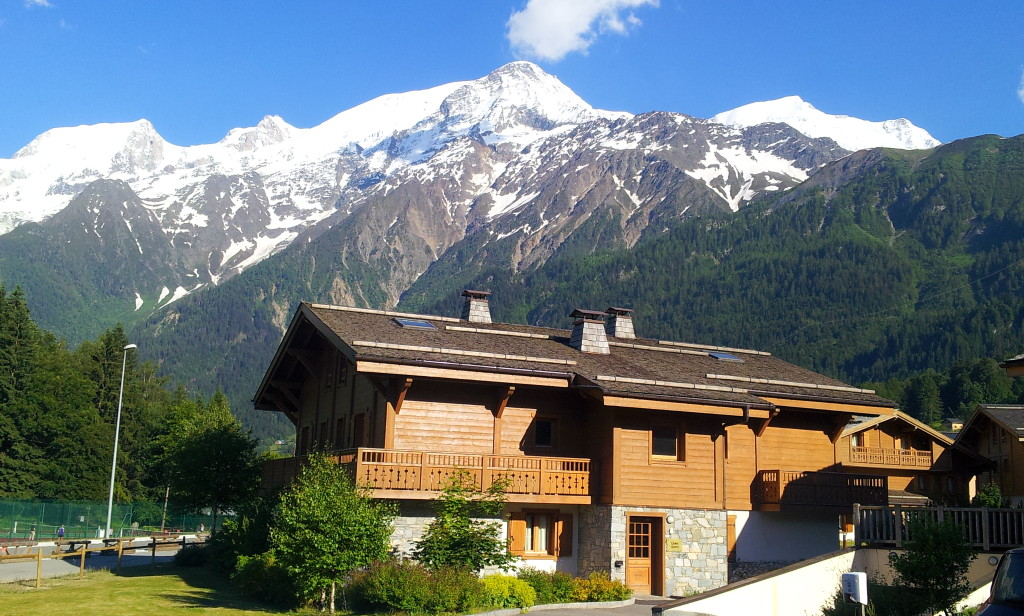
588, 333
620, 322
476, 309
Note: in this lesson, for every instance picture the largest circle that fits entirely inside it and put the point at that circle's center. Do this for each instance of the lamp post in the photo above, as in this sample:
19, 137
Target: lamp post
117, 433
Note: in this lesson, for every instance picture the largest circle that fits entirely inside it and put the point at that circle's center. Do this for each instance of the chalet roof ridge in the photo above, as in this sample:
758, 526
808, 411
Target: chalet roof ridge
462, 352
711, 347
387, 313
676, 384
763, 381
498, 332
648, 347
870, 422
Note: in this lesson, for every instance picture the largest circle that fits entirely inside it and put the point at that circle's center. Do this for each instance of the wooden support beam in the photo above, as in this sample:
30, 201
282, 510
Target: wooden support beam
852, 409
683, 407
286, 406
837, 429
461, 375
496, 432
764, 424
402, 391
308, 359
505, 395
396, 393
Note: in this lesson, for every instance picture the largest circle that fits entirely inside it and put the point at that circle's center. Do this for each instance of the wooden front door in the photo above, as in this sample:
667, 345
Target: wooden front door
643, 554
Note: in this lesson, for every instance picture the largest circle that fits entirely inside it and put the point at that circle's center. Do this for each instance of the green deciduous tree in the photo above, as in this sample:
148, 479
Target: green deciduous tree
211, 461
456, 537
325, 528
935, 562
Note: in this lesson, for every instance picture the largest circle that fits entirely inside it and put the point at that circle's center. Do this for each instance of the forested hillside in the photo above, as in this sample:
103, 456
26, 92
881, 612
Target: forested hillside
882, 265
58, 409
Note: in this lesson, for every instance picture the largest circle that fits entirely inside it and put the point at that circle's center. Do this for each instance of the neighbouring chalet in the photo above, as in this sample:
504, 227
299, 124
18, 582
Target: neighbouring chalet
1014, 366
922, 466
655, 461
996, 431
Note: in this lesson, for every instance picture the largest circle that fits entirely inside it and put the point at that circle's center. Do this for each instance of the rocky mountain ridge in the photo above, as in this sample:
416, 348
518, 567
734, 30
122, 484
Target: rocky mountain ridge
513, 165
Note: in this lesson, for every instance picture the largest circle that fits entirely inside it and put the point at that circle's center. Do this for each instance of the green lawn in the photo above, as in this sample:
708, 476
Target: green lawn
138, 591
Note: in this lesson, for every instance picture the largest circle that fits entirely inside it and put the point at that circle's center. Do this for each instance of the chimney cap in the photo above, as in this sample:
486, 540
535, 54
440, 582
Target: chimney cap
476, 294
622, 312
591, 315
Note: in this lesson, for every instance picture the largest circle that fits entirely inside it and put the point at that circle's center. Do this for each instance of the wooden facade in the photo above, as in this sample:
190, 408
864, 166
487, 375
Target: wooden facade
405, 420
996, 432
922, 466
641, 425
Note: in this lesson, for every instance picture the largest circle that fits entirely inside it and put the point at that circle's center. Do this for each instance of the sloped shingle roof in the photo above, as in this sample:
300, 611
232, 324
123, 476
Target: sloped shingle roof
635, 367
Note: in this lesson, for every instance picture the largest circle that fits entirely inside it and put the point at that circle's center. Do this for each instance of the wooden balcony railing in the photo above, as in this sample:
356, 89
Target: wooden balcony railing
780, 488
915, 458
419, 474
984, 528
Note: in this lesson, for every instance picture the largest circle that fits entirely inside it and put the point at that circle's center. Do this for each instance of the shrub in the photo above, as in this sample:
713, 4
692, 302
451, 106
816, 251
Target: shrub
262, 577
598, 587
935, 562
505, 591
455, 590
392, 586
551, 587
192, 556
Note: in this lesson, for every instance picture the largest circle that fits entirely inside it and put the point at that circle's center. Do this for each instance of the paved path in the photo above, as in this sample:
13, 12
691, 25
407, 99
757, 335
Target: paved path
20, 570
636, 609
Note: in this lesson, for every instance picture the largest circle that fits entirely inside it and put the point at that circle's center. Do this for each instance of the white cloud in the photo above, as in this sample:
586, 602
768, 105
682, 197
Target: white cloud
552, 29
1020, 88
31, 3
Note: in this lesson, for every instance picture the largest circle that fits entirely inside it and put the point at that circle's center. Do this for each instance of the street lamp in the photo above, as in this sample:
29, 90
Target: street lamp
117, 433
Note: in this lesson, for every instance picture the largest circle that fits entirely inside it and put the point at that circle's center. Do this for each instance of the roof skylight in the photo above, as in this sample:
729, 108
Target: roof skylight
719, 355
414, 323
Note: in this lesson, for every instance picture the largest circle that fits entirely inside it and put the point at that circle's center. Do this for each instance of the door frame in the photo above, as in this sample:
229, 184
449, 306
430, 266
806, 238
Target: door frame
657, 547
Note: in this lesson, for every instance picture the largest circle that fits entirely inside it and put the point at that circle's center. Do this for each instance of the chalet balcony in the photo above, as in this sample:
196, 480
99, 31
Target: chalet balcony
776, 490
891, 458
395, 474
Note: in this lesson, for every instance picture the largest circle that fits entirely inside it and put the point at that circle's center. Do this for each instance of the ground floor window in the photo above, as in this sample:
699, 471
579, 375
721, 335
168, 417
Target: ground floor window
540, 533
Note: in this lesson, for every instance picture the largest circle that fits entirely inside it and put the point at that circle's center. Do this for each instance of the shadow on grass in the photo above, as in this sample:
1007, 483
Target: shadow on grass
210, 588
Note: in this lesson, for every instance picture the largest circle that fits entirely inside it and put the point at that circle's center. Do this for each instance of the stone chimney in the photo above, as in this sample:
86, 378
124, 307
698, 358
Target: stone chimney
588, 333
620, 322
476, 308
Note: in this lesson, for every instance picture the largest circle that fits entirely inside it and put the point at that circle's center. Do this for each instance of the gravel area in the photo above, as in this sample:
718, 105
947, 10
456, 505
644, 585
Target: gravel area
744, 570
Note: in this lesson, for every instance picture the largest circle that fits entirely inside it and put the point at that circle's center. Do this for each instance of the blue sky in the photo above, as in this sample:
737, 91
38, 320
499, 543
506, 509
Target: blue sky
197, 69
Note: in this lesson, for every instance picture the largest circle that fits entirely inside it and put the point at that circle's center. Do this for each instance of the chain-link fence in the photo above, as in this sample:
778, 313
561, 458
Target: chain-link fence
37, 520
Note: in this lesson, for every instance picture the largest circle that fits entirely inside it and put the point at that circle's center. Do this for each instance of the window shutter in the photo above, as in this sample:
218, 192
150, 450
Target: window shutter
563, 535
517, 533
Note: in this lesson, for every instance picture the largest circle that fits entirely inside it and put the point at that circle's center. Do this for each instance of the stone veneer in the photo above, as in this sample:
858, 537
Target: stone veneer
701, 564
411, 523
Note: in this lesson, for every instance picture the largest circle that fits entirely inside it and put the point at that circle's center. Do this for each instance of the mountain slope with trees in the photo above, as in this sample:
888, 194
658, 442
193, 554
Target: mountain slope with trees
881, 265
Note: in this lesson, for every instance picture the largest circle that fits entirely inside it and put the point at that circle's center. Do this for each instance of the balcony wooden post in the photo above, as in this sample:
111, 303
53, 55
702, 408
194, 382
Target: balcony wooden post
986, 538
898, 518
856, 525
486, 473
543, 487
423, 471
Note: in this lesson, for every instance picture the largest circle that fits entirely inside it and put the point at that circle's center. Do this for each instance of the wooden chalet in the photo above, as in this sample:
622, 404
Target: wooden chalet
655, 461
1014, 366
922, 466
996, 431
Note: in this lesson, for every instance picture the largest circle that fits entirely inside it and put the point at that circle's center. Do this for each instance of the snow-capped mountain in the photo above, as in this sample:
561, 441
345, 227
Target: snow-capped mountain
512, 164
850, 133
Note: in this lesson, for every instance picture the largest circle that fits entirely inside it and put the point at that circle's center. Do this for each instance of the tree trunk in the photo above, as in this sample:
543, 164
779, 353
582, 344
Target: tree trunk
333, 586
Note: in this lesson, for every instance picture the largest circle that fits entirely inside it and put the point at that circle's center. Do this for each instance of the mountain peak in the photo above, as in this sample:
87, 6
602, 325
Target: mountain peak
850, 133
